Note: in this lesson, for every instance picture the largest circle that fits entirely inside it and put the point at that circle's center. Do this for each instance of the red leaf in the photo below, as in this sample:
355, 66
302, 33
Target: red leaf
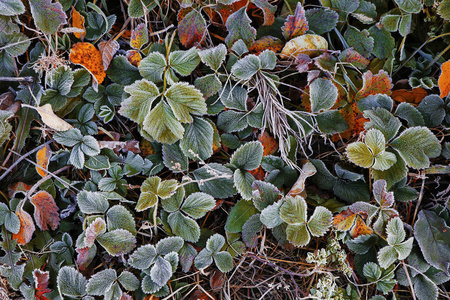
85, 256
134, 57
192, 29
217, 280
45, 211
374, 84
43, 159
41, 284
27, 228
295, 25
227, 10
108, 49
267, 42
18, 187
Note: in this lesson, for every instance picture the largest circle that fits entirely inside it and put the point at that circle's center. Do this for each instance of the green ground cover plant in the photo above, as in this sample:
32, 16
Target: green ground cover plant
224, 149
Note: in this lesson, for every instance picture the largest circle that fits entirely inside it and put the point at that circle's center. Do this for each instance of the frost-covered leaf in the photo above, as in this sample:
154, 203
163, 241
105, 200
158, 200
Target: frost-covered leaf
298, 235
47, 16
361, 41
270, 216
382, 120
137, 107
198, 138
416, 145
320, 221
169, 244
239, 28
203, 259
248, 156
224, 261
198, 204
360, 154
372, 271
213, 57
118, 217
92, 202
174, 159
293, 210
296, 24
129, 281
95, 229
232, 121
184, 62
384, 43
395, 231
161, 271
192, 29
220, 187
246, 67
187, 255
185, 99
184, 227
117, 242
101, 282
387, 256
323, 95
409, 6
264, 194
209, 84
11, 7
152, 188
234, 97
433, 236
139, 36
152, 67
142, 258
321, 20
243, 181
432, 108
138, 8
250, 231
71, 282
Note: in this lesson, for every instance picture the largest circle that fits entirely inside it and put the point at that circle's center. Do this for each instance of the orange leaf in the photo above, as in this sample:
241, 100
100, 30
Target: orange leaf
355, 120
41, 284
86, 55
258, 173
360, 228
18, 187
27, 228
374, 84
78, 22
146, 148
45, 211
267, 42
444, 79
413, 97
344, 220
270, 144
108, 49
43, 159
295, 25
134, 57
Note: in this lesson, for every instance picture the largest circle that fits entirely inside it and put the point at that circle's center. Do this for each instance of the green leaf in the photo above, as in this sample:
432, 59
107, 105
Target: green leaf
121, 71
198, 139
347, 6
117, 242
101, 282
152, 188
384, 43
15, 44
213, 57
387, 256
208, 85
432, 108
404, 249
143, 257
416, 145
129, 281
361, 41
250, 231
118, 217
433, 236
162, 125
187, 255
395, 231
238, 215
184, 62
185, 99
424, 288
248, 156
390, 22
270, 216
321, 20
232, 121
320, 221
47, 16
375, 141
366, 12
161, 271
92, 202
360, 154
220, 187
169, 244
152, 67
98, 162
203, 259
246, 67
444, 9
224, 261
268, 59
89, 146
215, 243
382, 120
12, 222
138, 8
293, 210
243, 181
411, 114
184, 227
378, 100
384, 161
264, 194
11, 7
331, 122
323, 95
298, 235
372, 271
114, 292
137, 107
409, 6
238, 26
198, 204
174, 159
71, 282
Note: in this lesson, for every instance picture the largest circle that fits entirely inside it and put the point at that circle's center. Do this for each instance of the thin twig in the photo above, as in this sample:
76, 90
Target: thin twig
20, 79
